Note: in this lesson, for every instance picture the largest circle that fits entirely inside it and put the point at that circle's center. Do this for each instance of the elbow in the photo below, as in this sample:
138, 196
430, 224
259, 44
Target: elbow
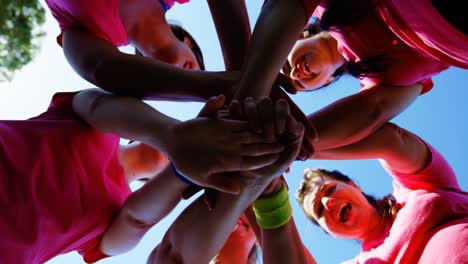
134, 216
376, 114
396, 136
85, 104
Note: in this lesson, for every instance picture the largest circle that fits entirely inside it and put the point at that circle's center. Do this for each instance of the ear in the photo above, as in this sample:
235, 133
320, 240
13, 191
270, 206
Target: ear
188, 41
329, 80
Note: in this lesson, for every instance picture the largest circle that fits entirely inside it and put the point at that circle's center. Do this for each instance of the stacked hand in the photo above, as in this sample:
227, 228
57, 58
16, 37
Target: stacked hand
205, 148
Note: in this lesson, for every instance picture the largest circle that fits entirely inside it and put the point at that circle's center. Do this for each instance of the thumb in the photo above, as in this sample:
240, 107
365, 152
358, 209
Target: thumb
212, 106
286, 83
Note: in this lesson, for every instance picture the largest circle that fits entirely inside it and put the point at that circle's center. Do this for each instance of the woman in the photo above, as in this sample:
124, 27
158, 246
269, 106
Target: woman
65, 184
425, 220
393, 72
91, 33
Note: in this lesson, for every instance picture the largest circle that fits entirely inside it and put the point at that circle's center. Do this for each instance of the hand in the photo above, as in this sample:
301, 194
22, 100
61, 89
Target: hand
310, 133
264, 117
276, 124
203, 148
286, 83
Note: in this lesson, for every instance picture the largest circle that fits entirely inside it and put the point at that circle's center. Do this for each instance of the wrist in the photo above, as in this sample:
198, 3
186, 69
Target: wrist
273, 188
273, 211
162, 136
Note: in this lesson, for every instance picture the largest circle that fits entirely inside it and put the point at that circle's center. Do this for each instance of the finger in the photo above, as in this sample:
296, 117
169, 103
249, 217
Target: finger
253, 163
265, 109
261, 149
212, 106
235, 109
286, 83
191, 191
209, 197
237, 126
250, 110
224, 113
223, 183
308, 148
281, 116
295, 128
246, 138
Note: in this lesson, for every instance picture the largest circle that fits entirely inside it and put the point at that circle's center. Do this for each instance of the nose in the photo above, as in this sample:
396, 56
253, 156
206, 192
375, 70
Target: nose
328, 202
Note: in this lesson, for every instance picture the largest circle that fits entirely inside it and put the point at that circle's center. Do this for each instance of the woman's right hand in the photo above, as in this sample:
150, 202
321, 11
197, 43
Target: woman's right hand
202, 149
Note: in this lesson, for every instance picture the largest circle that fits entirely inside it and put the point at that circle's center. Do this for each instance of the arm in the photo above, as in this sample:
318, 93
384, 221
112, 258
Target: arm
232, 25
102, 64
284, 245
354, 117
400, 149
276, 31
198, 233
220, 145
209, 229
142, 209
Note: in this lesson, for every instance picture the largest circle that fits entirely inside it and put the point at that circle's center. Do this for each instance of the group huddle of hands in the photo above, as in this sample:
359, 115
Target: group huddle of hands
246, 144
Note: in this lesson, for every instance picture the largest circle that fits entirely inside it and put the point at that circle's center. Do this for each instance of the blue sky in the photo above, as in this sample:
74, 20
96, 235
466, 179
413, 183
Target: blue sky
439, 117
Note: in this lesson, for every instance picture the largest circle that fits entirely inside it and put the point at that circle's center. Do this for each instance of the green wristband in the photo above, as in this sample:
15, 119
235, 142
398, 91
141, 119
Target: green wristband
275, 211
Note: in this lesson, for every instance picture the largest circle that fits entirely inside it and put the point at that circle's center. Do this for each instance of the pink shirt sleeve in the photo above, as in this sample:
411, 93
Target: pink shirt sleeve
427, 84
437, 175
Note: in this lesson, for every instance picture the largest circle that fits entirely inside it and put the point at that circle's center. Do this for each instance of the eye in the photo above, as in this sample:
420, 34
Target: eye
320, 210
331, 190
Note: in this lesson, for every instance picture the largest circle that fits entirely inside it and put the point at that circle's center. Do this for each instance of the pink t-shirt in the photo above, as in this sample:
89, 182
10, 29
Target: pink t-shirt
61, 184
431, 226
372, 37
100, 17
421, 26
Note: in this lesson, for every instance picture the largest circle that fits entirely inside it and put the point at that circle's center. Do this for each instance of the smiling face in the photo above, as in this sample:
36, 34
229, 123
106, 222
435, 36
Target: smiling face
338, 207
178, 54
313, 61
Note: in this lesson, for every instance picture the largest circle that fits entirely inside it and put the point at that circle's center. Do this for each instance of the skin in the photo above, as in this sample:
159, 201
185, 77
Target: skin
165, 73
313, 61
399, 150
146, 207
149, 32
329, 197
366, 111
197, 220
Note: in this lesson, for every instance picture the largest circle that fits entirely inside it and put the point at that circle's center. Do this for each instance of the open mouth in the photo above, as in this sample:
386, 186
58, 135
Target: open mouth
345, 213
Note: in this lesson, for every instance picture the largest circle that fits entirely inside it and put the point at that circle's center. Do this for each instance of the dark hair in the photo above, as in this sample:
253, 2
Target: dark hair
180, 34
386, 207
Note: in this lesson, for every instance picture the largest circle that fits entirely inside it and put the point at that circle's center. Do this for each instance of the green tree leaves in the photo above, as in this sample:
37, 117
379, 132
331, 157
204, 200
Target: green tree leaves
20, 28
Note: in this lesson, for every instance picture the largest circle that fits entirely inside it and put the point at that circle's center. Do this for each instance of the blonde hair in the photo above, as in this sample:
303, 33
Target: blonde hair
387, 207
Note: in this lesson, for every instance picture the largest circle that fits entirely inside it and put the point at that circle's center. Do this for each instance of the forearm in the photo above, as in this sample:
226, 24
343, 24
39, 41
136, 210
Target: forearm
102, 64
276, 31
400, 149
355, 117
154, 80
143, 209
125, 117
284, 245
198, 233
232, 25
